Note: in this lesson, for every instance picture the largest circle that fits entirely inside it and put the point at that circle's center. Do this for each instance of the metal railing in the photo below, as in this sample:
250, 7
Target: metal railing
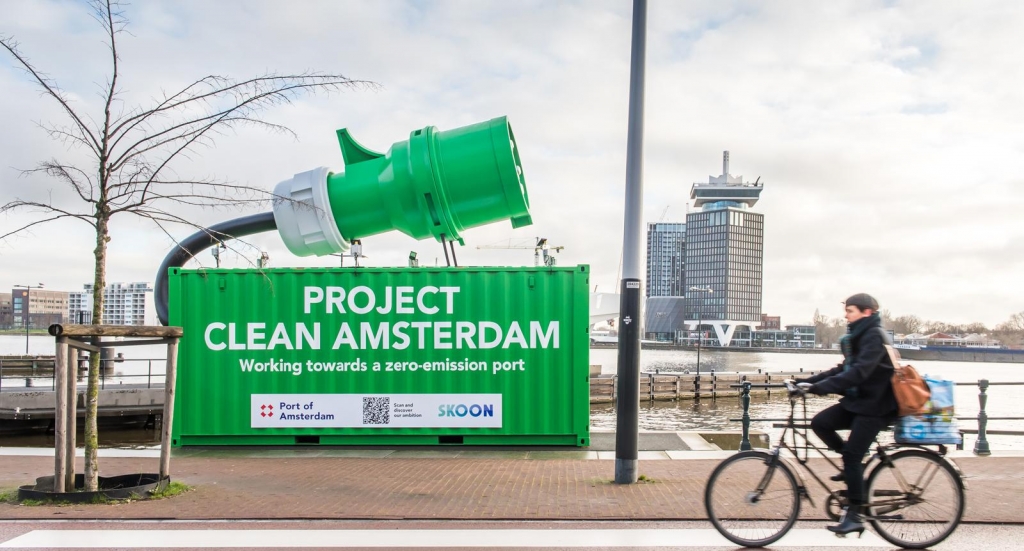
44, 374
981, 445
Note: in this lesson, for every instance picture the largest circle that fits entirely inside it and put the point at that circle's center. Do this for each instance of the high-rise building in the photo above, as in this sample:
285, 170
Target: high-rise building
724, 253
123, 304
38, 308
665, 262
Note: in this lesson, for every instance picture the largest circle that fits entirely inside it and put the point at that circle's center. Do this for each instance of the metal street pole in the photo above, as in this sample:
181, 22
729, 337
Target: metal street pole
700, 321
700, 336
627, 414
27, 309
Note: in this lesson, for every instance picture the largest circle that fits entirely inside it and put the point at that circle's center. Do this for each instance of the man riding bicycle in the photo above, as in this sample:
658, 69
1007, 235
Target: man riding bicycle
867, 407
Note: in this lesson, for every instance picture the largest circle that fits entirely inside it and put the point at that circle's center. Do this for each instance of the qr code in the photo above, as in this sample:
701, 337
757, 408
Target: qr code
376, 410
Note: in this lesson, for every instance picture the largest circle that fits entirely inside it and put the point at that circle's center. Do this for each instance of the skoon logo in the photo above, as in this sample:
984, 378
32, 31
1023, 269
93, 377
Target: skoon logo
462, 410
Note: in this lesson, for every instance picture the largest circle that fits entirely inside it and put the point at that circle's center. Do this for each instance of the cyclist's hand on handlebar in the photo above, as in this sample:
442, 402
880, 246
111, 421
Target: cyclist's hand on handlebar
791, 387
797, 389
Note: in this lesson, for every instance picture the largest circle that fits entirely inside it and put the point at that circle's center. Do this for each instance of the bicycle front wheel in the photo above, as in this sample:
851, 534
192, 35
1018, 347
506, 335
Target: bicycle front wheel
915, 500
752, 499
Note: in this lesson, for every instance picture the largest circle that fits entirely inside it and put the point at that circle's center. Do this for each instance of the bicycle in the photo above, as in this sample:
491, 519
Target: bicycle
915, 495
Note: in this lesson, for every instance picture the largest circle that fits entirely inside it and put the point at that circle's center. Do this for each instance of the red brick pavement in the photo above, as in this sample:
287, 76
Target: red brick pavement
449, 488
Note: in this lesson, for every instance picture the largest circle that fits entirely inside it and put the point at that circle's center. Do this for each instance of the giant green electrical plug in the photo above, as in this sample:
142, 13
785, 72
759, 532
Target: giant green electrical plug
435, 184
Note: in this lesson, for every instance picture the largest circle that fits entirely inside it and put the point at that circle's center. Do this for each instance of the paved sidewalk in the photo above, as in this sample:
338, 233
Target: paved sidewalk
332, 483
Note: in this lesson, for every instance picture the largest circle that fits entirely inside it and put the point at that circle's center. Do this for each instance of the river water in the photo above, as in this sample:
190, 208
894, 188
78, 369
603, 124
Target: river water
684, 415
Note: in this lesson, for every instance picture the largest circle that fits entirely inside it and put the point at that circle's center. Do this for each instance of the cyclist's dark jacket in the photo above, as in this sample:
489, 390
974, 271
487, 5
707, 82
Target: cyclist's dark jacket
865, 377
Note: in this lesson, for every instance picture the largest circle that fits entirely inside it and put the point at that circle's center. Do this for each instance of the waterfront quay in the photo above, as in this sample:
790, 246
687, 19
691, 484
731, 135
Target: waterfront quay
454, 483
33, 406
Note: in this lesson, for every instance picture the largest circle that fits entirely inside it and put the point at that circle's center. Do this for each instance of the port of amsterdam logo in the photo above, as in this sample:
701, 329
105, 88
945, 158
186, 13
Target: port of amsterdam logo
266, 410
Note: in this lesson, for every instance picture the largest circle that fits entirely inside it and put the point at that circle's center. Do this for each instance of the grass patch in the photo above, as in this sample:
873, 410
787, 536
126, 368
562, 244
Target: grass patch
9, 496
646, 479
172, 489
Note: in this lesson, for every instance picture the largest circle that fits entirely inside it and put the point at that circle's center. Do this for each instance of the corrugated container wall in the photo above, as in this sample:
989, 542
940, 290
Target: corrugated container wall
474, 356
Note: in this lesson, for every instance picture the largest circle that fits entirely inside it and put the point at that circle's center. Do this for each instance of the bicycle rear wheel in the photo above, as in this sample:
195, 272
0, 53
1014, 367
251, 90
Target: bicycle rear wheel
751, 499
915, 500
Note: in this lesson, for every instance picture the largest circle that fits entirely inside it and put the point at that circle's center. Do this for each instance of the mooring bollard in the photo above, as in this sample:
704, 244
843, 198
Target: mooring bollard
745, 400
981, 446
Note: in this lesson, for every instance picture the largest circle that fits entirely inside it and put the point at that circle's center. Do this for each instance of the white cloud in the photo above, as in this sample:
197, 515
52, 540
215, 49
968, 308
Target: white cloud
888, 134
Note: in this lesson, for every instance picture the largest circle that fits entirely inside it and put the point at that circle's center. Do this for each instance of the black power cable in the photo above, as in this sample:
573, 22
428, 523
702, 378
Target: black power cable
200, 241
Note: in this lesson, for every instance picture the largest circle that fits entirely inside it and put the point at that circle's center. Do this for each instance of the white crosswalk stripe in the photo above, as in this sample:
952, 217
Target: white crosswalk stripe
498, 538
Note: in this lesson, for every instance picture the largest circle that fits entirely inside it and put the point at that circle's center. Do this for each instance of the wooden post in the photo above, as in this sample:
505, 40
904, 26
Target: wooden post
60, 414
72, 423
165, 437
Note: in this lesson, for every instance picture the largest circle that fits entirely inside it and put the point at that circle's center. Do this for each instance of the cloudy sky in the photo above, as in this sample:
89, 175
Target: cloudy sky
889, 135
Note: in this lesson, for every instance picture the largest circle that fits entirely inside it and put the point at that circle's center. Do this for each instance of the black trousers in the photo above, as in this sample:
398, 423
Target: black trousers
863, 430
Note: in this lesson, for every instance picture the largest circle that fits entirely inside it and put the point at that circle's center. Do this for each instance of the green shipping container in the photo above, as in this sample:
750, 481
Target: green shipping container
366, 356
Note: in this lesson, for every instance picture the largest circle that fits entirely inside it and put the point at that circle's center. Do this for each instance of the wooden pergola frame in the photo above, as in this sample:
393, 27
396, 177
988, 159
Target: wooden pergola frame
70, 340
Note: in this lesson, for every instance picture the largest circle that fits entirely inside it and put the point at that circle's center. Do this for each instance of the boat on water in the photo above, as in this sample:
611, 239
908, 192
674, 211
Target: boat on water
960, 353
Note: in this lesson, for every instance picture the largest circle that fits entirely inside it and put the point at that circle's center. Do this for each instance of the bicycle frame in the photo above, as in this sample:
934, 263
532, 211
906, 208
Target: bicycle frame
799, 440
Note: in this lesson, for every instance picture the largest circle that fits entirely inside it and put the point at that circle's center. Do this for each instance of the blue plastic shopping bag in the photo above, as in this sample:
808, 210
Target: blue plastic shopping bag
942, 397
937, 426
927, 429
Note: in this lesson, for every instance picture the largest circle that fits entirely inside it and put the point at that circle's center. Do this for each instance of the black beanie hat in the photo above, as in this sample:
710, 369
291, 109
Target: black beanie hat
862, 301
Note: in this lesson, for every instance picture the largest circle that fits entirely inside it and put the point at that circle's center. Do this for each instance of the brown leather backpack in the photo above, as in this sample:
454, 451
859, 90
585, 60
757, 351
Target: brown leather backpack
911, 390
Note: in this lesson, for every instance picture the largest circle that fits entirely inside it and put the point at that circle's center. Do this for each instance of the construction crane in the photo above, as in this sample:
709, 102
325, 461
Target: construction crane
541, 249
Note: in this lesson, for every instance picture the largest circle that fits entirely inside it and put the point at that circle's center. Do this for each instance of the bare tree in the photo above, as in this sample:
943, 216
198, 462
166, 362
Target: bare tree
1011, 331
133, 151
827, 330
1015, 323
906, 325
886, 316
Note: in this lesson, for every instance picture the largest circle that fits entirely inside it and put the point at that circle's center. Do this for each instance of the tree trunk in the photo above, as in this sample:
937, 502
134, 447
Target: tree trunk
92, 467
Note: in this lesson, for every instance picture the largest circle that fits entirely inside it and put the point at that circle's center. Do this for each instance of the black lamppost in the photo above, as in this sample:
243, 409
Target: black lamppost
700, 320
25, 308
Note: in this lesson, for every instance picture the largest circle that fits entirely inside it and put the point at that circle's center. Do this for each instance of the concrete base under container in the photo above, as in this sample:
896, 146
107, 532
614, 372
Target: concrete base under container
383, 440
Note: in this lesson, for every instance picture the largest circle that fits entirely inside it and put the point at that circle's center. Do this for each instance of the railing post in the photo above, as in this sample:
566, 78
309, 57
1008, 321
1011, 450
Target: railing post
981, 446
745, 400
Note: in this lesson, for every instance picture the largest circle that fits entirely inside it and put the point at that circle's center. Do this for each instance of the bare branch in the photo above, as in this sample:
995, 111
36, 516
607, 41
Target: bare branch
61, 214
53, 91
250, 97
18, 204
64, 135
159, 217
66, 174
218, 86
104, 13
188, 130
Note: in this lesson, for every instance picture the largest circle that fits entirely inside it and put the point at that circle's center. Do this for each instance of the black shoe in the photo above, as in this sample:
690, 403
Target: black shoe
849, 522
836, 477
